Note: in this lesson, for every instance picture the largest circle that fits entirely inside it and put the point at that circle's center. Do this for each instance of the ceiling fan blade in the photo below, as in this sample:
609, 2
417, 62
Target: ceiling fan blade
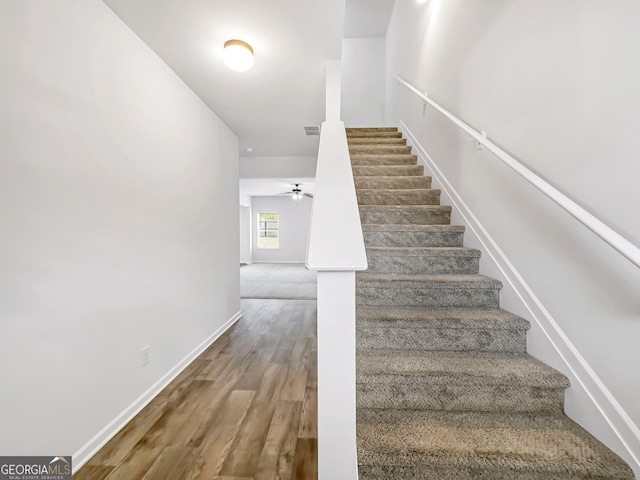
285, 193
308, 195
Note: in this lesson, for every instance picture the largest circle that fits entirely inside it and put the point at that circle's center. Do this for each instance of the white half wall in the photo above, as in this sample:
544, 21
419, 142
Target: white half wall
552, 83
118, 223
295, 216
363, 82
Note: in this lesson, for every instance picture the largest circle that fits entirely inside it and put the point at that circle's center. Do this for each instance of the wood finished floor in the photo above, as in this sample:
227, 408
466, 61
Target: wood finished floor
245, 409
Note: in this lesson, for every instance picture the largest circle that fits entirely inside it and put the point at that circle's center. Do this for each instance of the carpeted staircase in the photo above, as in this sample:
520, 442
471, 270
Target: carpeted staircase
445, 387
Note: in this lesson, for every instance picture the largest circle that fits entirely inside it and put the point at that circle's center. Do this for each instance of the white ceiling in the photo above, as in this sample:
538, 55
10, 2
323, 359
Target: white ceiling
266, 106
292, 39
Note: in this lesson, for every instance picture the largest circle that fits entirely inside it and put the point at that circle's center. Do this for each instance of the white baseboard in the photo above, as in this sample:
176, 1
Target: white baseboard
603, 401
90, 448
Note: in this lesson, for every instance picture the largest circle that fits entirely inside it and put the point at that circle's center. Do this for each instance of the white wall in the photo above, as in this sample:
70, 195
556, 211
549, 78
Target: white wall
278, 167
333, 86
245, 234
294, 228
245, 228
245, 200
363, 82
118, 222
555, 84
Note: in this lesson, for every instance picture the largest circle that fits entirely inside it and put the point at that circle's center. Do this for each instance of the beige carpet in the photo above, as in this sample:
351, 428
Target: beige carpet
277, 280
445, 389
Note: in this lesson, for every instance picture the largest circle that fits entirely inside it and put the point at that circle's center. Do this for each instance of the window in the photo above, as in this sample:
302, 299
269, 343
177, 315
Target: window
268, 230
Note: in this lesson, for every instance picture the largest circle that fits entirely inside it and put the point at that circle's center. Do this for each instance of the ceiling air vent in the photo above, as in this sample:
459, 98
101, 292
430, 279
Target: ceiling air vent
311, 130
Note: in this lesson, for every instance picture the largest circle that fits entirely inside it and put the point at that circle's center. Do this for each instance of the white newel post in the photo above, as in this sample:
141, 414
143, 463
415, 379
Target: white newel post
337, 454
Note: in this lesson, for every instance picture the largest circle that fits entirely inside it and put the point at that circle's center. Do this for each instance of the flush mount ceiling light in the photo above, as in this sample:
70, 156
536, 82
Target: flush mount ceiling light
238, 55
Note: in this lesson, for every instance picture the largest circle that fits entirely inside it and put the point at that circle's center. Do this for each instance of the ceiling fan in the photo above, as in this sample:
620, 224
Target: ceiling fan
296, 192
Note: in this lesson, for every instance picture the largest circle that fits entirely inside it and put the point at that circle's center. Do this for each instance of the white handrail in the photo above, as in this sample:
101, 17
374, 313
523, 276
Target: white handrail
606, 233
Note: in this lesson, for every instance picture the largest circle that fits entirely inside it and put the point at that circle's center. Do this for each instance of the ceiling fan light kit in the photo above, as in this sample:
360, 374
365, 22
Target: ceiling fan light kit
238, 55
296, 193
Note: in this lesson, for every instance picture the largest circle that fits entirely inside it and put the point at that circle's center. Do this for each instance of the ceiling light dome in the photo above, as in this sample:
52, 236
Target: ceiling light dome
238, 55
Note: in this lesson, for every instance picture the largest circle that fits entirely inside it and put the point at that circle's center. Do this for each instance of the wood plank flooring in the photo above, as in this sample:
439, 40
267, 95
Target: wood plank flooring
246, 409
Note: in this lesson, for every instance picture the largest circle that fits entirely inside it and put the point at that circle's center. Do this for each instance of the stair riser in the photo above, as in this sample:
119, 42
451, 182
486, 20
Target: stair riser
354, 140
418, 197
397, 182
369, 130
424, 217
412, 239
427, 297
376, 135
382, 262
420, 394
382, 160
379, 149
438, 339
388, 171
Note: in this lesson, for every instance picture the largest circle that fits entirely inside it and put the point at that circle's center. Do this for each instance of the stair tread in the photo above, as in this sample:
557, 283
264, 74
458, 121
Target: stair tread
377, 170
480, 445
450, 318
391, 182
470, 368
441, 329
398, 159
374, 134
390, 227
371, 129
434, 281
389, 168
398, 196
435, 235
357, 140
396, 191
378, 148
390, 178
357, 156
426, 251
403, 208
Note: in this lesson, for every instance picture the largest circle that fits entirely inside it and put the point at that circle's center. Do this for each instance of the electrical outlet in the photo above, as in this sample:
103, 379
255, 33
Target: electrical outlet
146, 355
